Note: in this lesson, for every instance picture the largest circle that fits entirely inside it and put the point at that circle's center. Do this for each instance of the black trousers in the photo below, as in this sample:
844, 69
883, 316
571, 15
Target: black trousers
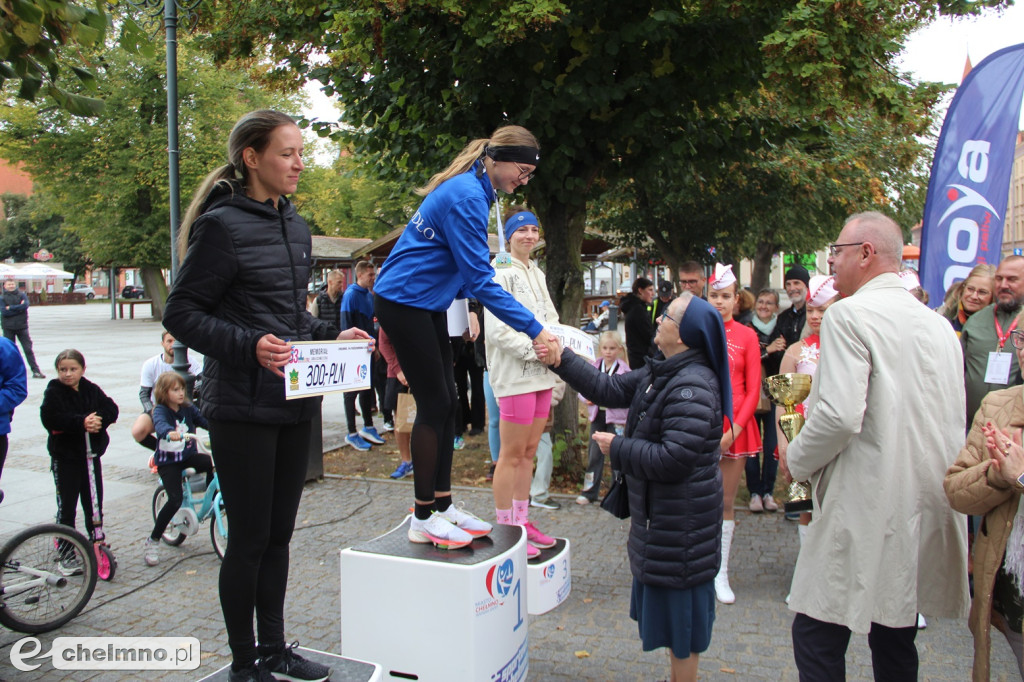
170, 476
71, 478
261, 469
26, 346
471, 411
820, 651
420, 338
365, 408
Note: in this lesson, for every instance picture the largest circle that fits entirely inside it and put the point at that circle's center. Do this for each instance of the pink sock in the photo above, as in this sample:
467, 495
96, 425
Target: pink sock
520, 512
504, 516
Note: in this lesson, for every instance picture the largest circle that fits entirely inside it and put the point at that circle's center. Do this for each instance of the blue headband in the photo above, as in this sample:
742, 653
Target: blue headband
518, 220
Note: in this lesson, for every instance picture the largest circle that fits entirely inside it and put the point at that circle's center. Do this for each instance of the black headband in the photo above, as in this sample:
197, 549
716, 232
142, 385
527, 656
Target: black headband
530, 155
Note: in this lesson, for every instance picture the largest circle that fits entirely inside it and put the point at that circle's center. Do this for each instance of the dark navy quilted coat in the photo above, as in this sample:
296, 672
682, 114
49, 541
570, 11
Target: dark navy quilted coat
245, 275
669, 455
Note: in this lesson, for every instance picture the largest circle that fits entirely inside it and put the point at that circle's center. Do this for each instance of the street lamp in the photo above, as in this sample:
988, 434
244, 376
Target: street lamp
169, 9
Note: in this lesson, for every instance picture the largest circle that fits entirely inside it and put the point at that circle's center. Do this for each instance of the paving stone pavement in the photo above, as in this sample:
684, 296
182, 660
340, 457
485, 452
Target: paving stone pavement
179, 597
750, 642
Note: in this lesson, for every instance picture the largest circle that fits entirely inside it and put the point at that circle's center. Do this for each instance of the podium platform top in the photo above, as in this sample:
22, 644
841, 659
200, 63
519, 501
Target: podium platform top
342, 669
550, 553
396, 543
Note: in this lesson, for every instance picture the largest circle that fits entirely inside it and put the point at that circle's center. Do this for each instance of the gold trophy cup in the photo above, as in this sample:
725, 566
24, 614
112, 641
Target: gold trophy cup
788, 390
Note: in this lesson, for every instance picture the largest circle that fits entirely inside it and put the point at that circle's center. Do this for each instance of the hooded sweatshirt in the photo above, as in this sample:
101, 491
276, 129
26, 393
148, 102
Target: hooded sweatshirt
513, 366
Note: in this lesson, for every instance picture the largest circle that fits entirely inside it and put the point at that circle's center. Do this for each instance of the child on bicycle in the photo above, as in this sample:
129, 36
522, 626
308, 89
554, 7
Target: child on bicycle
72, 407
174, 420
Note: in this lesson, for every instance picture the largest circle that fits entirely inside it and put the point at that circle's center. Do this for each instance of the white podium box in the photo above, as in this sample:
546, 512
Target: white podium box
342, 669
549, 578
430, 614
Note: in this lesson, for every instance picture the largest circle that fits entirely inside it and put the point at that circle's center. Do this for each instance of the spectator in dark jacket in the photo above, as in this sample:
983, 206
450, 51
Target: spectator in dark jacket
14, 320
669, 455
240, 299
637, 309
357, 311
790, 322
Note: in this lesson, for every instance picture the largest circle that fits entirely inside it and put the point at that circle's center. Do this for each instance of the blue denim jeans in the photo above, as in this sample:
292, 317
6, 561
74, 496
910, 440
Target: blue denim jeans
493, 417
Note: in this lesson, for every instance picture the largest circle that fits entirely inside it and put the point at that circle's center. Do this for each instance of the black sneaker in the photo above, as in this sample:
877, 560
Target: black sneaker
287, 665
250, 673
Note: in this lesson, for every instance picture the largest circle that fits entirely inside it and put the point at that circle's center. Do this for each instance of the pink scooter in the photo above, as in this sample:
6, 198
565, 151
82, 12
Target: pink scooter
106, 564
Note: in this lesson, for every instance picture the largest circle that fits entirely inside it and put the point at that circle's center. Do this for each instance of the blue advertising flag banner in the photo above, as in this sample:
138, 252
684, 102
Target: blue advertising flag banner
970, 180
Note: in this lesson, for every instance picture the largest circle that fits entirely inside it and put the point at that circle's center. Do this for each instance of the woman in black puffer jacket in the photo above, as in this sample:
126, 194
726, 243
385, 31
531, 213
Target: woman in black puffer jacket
240, 299
669, 455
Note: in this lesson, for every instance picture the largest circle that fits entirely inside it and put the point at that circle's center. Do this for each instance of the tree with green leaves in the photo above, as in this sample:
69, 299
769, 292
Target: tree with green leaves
343, 201
605, 85
107, 175
791, 197
30, 223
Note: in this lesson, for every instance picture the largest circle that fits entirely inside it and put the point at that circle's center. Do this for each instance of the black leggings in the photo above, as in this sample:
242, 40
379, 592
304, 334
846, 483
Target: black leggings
71, 477
170, 476
420, 338
261, 469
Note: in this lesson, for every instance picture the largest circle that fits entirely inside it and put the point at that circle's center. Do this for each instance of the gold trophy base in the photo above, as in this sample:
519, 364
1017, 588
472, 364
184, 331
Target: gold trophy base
799, 497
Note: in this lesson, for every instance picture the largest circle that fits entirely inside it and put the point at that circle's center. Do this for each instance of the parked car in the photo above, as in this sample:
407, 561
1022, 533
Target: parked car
132, 291
80, 288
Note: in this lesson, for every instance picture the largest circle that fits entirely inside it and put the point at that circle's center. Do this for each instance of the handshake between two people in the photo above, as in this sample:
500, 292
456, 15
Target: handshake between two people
548, 348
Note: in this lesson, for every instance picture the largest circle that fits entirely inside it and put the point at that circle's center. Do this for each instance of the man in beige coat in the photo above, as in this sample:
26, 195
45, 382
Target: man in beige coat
886, 419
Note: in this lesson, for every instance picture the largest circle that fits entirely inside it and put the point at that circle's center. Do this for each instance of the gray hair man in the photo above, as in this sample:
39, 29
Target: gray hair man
885, 420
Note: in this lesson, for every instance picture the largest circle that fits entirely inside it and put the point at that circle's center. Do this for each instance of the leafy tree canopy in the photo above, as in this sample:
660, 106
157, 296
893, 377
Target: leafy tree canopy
342, 201
30, 223
107, 175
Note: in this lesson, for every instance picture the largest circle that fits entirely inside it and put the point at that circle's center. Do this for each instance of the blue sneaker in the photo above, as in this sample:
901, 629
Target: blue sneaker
459, 443
355, 441
370, 435
404, 469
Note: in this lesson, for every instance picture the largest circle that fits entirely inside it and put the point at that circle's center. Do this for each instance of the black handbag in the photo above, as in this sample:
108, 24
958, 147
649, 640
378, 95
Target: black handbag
616, 500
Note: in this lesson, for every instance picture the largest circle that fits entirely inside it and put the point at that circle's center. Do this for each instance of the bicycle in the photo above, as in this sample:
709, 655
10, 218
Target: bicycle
195, 510
49, 574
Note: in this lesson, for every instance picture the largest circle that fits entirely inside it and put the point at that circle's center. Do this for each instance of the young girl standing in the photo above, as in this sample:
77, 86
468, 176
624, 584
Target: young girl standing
612, 361
72, 407
173, 419
521, 383
740, 437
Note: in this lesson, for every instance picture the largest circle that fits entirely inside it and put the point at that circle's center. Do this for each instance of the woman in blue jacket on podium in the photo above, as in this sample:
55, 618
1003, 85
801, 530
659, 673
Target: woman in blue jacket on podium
669, 456
443, 255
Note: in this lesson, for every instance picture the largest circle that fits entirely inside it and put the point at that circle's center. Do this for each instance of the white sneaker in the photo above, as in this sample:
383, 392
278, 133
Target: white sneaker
769, 503
475, 526
152, 553
438, 530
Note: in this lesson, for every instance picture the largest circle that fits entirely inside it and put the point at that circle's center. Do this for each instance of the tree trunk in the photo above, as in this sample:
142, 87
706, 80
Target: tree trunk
760, 276
156, 289
563, 235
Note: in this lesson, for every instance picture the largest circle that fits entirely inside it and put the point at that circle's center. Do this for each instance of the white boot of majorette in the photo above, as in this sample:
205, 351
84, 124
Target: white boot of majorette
549, 578
429, 614
341, 668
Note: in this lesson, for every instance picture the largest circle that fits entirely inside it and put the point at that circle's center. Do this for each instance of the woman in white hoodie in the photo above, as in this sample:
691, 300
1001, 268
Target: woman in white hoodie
521, 384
